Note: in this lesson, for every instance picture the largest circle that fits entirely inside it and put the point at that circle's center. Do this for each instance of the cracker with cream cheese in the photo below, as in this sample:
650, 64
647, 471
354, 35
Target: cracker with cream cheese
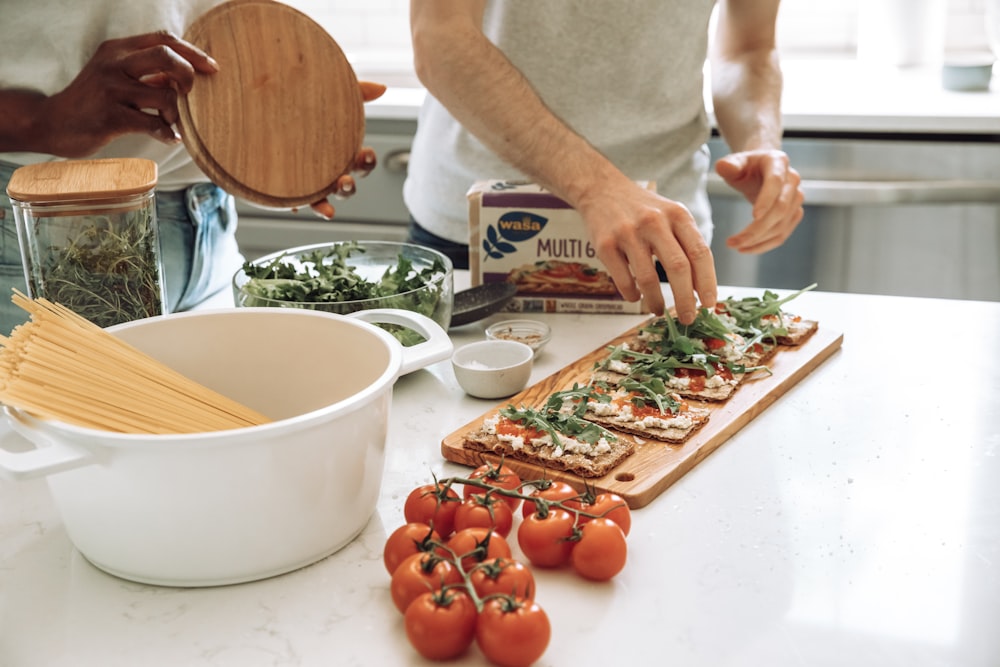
764, 317
645, 409
551, 438
706, 360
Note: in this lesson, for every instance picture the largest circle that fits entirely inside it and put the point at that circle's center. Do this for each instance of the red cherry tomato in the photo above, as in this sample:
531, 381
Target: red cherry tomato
407, 540
485, 511
418, 574
512, 632
441, 625
551, 490
600, 552
610, 506
546, 540
501, 476
503, 576
474, 545
433, 504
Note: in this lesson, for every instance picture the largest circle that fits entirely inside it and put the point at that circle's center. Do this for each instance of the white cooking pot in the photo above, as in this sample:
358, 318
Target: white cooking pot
233, 506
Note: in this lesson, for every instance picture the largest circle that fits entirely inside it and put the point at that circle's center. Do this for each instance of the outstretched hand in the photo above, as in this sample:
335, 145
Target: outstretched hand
768, 182
631, 227
129, 85
363, 163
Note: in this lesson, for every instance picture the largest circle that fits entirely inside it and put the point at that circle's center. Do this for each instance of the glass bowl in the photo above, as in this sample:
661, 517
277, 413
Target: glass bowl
532, 333
342, 277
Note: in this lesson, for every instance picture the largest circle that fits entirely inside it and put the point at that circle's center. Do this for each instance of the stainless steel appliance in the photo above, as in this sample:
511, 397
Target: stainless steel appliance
892, 214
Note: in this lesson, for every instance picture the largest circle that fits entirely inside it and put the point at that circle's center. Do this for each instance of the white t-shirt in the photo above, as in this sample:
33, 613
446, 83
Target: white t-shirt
46, 43
627, 76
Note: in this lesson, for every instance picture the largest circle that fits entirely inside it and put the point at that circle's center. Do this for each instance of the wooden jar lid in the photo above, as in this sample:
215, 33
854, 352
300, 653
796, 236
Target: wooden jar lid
75, 180
283, 118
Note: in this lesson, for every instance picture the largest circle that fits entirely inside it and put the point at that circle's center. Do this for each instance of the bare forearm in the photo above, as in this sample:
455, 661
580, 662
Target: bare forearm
746, 95
746, 75
469, 74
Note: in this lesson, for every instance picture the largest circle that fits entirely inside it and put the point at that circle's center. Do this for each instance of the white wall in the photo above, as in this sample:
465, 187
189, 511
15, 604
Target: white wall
379, 28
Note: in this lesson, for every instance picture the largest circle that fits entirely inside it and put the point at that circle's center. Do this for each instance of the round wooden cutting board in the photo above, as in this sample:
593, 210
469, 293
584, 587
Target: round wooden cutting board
283, 117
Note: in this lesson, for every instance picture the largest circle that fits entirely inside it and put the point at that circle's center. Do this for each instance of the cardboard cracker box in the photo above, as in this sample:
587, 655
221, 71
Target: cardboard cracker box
522, 233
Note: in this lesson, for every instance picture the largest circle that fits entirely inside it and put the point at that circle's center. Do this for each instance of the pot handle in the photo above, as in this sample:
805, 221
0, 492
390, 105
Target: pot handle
437, 346
51, 456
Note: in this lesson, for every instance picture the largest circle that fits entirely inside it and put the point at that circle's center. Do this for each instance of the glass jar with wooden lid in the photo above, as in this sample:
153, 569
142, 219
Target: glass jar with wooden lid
88, 236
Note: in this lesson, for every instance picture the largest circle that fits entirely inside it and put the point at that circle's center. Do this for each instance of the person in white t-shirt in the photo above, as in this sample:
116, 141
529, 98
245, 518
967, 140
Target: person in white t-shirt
101, 79
586, 98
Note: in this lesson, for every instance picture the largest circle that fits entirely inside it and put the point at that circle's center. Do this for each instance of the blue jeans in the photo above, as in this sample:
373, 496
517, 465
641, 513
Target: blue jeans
197, 229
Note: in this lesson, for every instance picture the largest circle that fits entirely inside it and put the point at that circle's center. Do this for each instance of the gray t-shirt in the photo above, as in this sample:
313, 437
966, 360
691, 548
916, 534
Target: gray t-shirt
627, 76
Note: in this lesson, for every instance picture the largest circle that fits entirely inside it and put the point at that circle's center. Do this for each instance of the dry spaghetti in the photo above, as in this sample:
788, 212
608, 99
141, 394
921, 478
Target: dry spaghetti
60, 366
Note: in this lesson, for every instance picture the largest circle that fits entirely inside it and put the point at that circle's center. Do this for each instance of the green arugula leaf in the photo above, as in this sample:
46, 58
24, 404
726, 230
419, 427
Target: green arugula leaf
748, 313
652, 390
558, 424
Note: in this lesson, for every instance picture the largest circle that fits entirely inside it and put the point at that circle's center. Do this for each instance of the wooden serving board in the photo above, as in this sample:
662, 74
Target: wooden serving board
656, 465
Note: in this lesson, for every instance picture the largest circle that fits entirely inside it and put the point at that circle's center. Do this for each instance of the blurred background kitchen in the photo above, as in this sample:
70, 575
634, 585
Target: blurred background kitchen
892, 116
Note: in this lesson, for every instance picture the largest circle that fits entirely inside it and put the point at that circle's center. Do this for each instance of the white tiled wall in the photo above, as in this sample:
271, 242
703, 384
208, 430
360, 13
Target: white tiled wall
379, 28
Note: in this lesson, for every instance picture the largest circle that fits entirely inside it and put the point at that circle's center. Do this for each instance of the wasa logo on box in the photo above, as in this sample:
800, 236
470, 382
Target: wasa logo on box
509, 229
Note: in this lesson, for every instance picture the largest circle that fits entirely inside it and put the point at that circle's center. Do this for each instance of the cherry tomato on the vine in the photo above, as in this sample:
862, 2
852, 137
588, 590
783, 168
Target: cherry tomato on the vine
419, 574
552, 490
546, 540
485, 511
408, 539
441, 625
503, 576
601, 550
474, 545
610, 506
501, 476
433, 504
512, 632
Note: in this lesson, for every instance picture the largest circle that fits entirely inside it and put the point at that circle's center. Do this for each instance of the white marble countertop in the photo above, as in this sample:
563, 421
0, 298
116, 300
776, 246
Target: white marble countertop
834, 95
856, 521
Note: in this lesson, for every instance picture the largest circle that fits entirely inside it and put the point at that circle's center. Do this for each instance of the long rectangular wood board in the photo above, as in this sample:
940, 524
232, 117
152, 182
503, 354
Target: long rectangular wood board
655, 466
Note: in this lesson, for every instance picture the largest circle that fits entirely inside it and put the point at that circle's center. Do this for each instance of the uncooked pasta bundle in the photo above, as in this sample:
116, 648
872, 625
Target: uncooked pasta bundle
62, 367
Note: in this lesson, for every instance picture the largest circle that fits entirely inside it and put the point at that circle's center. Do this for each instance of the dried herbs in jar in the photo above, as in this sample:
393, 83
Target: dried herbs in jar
88, 237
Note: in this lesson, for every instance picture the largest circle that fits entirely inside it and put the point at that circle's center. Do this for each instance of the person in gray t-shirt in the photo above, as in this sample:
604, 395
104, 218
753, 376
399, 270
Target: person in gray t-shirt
587, 98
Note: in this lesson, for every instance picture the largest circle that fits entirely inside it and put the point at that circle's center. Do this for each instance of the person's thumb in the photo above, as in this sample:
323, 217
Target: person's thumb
730, 167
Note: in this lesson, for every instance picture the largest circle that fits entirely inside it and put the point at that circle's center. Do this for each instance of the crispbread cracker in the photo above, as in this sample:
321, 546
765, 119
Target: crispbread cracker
717, 394
799, 332
674, 435
584, 466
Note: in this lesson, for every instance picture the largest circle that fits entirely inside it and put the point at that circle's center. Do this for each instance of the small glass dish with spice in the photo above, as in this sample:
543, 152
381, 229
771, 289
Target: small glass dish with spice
88, 236
532, 333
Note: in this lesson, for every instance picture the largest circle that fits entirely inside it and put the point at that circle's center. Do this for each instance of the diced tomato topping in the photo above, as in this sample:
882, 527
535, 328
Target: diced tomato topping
714, 343
506, 426
648, 410
697, 376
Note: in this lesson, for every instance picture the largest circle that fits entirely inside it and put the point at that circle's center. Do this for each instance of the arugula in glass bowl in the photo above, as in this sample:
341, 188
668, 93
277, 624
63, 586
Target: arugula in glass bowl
355, 275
